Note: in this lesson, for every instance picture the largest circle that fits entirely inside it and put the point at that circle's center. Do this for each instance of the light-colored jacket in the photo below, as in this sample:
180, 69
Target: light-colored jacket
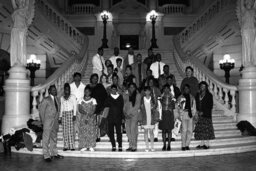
183, 113
129, 110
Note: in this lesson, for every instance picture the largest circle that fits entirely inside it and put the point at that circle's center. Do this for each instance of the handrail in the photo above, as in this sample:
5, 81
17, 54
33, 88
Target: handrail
224, 94
207, 15
77, 63
58, 20
82, 9
172, 8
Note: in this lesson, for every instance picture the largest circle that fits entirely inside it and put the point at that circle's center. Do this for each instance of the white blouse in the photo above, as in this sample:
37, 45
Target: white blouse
93, 100
68, 105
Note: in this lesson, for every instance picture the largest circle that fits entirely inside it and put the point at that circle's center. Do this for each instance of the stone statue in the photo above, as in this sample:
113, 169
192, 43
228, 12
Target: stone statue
246, 19
22, 17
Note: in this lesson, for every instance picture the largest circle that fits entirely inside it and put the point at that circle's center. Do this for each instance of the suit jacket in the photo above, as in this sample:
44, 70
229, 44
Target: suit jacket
48, 113
126, 62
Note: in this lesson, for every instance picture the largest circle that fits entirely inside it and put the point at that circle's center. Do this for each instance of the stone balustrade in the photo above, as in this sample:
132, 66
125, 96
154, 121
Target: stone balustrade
225, 95
59, 21
172, 8
215, 8
82, 9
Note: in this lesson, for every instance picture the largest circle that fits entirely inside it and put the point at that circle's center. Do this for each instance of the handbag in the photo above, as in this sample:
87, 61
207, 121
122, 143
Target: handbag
176, 129
103, 127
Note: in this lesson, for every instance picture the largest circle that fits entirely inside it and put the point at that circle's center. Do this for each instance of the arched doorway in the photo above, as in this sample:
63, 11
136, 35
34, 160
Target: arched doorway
4, 67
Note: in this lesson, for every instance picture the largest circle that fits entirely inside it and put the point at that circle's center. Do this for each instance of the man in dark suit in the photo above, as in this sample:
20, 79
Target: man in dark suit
49, 115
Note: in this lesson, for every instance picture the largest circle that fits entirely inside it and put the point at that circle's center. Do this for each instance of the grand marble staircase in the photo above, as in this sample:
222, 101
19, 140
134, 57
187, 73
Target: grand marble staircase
228, 140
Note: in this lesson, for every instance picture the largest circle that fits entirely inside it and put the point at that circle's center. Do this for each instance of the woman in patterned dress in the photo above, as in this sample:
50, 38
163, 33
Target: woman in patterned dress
67, 117
87, 123
204, 128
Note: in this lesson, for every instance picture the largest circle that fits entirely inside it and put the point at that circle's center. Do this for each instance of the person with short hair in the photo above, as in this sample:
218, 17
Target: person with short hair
98, 63
110, 71
190, 80
138, 69
68, 105
149, 59
114, 107
49, 116
129, 77
119, 71
116, 56
157, 67
187, 111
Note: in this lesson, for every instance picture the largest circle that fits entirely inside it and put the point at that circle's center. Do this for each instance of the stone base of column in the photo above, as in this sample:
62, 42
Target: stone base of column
247, 96
17, 99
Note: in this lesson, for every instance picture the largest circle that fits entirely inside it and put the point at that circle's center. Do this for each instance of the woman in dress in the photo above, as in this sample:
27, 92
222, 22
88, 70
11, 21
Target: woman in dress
131, 109
148, 116
67, 116
204, 128
87, 124
166, 123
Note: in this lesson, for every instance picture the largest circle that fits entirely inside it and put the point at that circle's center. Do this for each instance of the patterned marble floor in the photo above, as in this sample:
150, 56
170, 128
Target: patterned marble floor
234, 162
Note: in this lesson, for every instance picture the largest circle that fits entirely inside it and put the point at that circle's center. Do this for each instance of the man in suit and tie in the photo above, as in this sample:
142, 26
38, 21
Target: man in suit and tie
49, 115
138, 69
98, 63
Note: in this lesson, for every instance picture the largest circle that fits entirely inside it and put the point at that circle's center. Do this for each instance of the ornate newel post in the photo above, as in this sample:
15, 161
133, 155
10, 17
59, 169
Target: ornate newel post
17, 86
247, 84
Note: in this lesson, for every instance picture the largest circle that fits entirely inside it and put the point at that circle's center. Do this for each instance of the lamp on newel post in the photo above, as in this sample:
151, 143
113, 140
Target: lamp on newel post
33, 64
104, 16
227, 64
153, 17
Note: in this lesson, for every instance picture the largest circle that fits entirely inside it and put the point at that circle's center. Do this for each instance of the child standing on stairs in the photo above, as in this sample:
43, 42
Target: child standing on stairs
148, 116
166, 123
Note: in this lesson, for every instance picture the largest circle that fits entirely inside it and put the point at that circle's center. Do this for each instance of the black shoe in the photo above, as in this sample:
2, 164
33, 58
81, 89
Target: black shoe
205, 147
129, 149
155, 139
164, 148
187, 148
58, 157
98, 140
113, 148
48, 160
72, 149
199, 147
183, 148
172, 139
65, 149
169, 148
120, 149
133, 150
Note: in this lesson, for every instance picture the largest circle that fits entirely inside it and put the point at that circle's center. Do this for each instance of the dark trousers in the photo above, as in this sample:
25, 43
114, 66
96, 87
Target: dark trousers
117, 126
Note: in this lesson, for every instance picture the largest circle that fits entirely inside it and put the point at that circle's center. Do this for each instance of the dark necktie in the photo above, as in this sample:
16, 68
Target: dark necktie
159, 70
102, 64
139, 70
56, 104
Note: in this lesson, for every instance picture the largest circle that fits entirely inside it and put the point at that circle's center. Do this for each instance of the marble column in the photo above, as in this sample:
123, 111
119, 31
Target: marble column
247, 95
17, 99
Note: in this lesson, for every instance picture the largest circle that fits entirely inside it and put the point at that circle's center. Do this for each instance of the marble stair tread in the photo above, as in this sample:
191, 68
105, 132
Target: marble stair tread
216, 150
175, 144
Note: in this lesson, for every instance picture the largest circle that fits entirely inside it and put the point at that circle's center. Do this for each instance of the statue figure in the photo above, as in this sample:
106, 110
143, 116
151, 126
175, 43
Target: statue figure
22, 17
246, 19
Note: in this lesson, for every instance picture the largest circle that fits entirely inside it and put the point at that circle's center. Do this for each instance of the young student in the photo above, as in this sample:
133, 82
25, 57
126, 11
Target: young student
166, 124
148, 116
187, 110
114, 106
87, 124
103, 81
119, 71
67, 116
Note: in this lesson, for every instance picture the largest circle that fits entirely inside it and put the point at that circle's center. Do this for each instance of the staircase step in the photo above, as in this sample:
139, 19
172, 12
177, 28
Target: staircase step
103, 145
215, 150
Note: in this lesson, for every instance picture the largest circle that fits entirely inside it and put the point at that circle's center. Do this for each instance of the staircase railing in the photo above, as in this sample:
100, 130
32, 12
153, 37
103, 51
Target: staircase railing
172, 8
58, 20
225, 95
206, 16
77, 63
83, 9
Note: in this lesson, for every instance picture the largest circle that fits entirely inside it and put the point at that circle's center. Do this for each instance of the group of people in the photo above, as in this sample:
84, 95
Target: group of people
143, 96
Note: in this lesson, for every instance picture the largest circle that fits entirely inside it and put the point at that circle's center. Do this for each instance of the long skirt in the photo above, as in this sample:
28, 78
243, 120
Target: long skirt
167, 122
87, 131
68, 129
204, 129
